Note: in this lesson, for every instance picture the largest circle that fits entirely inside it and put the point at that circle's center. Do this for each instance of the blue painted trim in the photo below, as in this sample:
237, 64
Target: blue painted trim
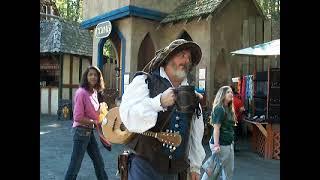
123, 59
123, 53
100, 53
121, 13
147, 13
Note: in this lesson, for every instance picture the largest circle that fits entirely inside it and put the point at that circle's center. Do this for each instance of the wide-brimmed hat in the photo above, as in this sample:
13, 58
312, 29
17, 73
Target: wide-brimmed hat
163, 55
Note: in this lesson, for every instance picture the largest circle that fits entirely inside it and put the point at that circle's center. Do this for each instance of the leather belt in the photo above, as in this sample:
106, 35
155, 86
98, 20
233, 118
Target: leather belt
87, 126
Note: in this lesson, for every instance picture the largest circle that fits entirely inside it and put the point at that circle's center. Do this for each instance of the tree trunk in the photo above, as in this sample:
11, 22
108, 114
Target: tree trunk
68, 9
77, 9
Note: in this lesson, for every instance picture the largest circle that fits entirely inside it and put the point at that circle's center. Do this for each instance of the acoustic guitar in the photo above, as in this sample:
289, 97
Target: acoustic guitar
115, 132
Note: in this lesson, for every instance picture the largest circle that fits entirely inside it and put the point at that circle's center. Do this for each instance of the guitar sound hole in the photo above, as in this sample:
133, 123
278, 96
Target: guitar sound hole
122, 127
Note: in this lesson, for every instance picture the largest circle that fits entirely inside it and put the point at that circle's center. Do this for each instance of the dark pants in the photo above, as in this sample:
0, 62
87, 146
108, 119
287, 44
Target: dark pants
84, 140
237, 133
140, 169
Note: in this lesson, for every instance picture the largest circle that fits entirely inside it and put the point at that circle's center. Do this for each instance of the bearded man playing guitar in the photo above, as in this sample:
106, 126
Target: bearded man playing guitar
148, 105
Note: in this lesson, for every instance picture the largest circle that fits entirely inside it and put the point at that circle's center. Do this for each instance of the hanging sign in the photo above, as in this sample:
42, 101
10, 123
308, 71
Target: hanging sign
103, 29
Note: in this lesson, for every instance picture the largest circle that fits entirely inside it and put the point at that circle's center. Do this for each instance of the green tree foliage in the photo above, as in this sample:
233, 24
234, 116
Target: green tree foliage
271, 8
70, 9
107, 51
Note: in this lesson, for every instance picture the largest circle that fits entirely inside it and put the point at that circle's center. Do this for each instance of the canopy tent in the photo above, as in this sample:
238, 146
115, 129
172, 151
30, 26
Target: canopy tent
271, 48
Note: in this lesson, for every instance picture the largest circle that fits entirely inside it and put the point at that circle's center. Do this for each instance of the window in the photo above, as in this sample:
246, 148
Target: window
52, 11
49, 72
43, 9
48, 10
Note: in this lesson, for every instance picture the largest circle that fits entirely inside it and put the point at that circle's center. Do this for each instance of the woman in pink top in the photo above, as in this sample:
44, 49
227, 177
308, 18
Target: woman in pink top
85, 115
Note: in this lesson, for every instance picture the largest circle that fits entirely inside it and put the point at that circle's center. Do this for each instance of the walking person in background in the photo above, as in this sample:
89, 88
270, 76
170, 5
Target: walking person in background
85, 116
239, 109
221, 143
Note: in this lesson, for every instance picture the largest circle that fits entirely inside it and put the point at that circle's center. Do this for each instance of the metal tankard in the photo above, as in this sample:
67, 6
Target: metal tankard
186, 101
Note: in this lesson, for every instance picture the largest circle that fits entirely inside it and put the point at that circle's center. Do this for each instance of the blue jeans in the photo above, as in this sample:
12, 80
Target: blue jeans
140, 169
226, 156
84, 140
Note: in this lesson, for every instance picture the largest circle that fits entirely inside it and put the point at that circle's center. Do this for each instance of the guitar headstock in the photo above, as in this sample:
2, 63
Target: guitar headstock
170, 139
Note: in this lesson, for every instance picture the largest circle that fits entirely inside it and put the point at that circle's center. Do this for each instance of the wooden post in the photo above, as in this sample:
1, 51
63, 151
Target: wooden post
259, 40
252, 42
80, 69
268, 91
245, 44
71, 74
121, 69
49, 100
61, 75
266, 38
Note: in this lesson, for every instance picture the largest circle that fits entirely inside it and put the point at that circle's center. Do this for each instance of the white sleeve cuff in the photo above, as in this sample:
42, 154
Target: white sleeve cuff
195, 169
156, 103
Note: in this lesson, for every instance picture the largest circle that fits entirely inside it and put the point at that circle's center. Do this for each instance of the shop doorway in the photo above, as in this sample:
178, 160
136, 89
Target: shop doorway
146, 52
110, 62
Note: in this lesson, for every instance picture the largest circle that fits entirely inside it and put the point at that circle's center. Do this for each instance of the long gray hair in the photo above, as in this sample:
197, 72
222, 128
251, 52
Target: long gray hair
219, 101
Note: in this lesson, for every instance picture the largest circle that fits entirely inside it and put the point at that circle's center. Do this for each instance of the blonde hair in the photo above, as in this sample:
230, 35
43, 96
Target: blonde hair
219, 101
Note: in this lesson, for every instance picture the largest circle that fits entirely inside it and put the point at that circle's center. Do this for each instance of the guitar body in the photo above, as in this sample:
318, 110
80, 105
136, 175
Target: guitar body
114, 130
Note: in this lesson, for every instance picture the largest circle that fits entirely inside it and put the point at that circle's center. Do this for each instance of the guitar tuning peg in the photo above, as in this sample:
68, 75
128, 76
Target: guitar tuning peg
167, 145
171, 150
170, 131
174, 148
163, 144
167, 130
170, 147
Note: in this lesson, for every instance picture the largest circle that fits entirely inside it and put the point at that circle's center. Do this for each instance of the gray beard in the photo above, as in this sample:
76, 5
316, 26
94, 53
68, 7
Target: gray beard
180, 74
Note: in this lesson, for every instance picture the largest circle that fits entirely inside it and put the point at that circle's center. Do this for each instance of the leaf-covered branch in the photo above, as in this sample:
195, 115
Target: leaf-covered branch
70, 9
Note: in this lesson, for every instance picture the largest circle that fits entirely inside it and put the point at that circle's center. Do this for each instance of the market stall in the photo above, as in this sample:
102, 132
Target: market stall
260, 92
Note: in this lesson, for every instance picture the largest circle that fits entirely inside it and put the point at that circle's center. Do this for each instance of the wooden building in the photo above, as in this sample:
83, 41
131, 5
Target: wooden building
140, 27
65, 51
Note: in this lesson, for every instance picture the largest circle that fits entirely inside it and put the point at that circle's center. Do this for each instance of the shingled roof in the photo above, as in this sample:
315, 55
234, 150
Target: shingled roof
190, 9
64, 37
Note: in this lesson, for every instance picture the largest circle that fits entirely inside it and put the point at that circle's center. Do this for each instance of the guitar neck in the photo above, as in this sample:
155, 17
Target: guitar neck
149, 133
